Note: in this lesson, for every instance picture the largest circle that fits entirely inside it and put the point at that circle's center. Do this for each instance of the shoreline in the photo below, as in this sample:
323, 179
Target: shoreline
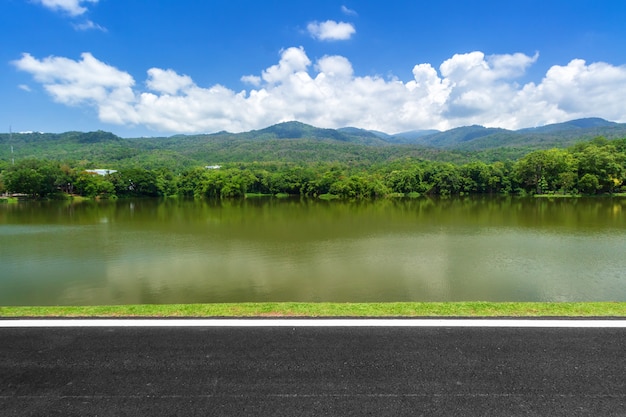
288, 309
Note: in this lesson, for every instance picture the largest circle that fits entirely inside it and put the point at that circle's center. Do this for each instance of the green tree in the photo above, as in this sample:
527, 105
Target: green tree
605, 163
475, 178
212, 184
165, 182
37, 178
323, 178
546, 171
589, 184
93, 185
499, 179
404, 180
292, 180
442, 179
358, 187
190, 183
238, 182
135, 182
25, 181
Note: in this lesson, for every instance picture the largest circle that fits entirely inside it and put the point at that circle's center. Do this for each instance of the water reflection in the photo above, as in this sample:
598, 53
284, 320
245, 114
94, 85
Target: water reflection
146, 251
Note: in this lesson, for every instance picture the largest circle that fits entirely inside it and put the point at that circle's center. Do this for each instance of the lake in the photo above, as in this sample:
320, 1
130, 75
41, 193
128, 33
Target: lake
269, 249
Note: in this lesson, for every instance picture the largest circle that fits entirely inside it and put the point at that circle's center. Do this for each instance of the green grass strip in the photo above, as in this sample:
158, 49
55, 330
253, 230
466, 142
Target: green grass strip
402, 309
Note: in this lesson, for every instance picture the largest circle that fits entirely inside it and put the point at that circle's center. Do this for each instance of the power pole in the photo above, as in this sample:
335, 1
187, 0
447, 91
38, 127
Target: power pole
11, 142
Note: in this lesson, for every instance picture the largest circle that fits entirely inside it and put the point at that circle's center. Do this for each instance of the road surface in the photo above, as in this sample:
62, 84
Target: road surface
312, 371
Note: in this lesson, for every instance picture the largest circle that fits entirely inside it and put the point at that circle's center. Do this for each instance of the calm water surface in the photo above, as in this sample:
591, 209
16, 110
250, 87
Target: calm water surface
147, 251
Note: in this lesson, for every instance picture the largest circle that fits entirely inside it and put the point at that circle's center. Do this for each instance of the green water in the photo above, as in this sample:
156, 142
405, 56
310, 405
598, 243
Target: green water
149, 251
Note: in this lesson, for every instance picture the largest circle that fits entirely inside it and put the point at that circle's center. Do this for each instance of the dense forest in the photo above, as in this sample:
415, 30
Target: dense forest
597, 166
302, 144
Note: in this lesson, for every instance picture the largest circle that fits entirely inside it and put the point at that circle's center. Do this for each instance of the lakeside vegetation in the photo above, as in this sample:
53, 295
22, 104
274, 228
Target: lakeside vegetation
400, 309
592, 167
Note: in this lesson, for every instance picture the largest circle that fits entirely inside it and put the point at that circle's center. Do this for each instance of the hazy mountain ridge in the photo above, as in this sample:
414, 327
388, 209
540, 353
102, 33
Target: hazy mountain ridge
299, 142
299, 130
473, 138
590, 122
466, 138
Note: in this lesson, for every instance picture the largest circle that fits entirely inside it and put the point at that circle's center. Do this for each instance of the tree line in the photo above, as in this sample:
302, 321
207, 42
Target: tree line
594, 167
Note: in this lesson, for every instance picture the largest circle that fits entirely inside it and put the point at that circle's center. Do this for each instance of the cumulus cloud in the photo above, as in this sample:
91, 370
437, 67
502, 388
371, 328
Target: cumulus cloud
331, 30
87, 81
167, 81
71, 7
251, 79
334, 67
293, 61
470, 88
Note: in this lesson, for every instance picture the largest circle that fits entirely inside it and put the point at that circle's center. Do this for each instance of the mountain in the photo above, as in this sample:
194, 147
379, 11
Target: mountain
572, 125
453, 137
295, 130
398, 138
363, 132
300, 142
479, 138
298, 130
412, 135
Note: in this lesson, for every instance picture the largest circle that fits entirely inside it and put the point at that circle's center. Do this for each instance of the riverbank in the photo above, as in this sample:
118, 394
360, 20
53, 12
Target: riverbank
400, 309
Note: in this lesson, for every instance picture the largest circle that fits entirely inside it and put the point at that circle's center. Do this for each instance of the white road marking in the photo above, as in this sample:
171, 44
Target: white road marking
364, 322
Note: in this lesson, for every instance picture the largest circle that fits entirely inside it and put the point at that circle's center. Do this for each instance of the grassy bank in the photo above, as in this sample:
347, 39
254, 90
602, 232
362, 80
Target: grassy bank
404, 309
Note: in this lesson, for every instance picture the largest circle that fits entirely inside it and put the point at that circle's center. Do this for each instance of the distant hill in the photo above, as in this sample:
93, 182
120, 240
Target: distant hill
412, 136
466, 138
398, 138
479, 138
572, 125
298, 130
454, 137
301, 143
355, 131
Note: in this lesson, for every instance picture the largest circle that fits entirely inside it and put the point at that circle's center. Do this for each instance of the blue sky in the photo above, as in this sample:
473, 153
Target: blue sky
152, 68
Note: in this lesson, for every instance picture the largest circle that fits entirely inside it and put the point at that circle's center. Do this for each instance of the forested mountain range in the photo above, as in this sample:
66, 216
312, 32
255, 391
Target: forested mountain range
476, 138
302, 143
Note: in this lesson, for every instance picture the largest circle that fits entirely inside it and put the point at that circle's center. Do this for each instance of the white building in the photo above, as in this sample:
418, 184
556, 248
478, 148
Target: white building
102, 172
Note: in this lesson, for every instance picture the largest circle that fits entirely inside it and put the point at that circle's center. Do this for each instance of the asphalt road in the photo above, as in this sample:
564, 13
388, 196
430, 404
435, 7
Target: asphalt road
312, 371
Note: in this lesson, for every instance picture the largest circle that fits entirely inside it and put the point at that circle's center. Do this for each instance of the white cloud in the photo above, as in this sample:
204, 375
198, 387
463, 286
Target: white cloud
335, 66
578, 87
71, 7
481, 85
88, 73
254, 80
331, 30
88, 81
292, 62
24, 87
167, 81
466, 89
347, 11
89, 25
